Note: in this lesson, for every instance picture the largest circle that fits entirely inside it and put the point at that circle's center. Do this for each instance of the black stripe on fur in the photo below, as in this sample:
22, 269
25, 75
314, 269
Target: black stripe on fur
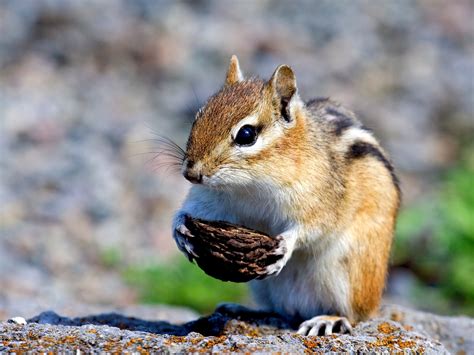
362, 149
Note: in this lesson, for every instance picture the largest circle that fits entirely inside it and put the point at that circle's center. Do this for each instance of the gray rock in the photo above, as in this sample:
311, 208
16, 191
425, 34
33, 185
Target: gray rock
26, 308
455, 333
227, 329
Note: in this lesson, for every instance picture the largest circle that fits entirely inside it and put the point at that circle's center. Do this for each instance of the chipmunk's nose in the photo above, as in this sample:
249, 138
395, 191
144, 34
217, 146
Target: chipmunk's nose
194, 177
191, 173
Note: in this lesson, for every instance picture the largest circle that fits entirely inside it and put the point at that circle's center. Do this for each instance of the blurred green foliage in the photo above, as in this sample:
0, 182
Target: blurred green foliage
111, 257
435, 240
181, 283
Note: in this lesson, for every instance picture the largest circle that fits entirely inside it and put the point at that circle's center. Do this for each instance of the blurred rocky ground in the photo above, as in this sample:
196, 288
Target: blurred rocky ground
85, 87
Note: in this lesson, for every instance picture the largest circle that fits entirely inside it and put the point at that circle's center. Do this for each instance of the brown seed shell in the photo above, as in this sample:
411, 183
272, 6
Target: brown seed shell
230, 252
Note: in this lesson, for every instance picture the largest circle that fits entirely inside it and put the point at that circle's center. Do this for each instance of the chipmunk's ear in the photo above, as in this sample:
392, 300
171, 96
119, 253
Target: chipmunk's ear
283, 86
234, 75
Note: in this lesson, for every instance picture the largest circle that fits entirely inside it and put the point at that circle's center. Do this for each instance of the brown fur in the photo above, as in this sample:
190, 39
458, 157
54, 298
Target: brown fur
223, 110
370, 189
330, 188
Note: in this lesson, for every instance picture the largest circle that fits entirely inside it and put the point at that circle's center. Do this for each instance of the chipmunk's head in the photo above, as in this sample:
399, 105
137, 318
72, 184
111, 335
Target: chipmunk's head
240, 128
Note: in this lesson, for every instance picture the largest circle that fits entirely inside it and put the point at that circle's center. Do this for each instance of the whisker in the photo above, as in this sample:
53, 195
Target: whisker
166, 167
167, 156
198, 102
159, 155
144, 153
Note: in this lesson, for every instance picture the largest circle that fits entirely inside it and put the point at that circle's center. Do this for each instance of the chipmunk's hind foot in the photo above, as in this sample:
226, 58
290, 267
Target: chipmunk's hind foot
325, 325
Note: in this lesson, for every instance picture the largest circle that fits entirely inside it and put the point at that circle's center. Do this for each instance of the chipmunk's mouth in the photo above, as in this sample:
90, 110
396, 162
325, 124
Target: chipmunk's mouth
213, 183
224, 182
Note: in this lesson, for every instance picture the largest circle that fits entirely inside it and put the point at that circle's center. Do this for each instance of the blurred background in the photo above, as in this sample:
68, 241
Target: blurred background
85, 87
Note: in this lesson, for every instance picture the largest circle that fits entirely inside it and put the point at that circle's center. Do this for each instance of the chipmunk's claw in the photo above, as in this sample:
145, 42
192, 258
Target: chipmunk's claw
325, 325
283, 253
181, 236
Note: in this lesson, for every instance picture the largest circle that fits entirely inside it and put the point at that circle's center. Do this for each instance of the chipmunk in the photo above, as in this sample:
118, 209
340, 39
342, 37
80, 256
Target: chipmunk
308, 173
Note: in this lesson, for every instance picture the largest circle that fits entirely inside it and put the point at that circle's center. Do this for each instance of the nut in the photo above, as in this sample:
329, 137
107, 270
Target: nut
230, 252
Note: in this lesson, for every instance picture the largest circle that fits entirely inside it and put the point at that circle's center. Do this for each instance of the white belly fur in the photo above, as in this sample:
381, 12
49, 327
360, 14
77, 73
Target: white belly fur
308, 285
313, 281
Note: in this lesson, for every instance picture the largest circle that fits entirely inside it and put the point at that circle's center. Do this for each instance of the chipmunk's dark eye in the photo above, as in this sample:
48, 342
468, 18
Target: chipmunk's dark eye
247, 135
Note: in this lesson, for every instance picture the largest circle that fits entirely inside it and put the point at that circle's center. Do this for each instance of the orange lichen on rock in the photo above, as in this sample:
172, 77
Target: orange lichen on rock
311, 343
207, 344
196, 340
175, 339
69, 339
387, 328
239, 327
393, 342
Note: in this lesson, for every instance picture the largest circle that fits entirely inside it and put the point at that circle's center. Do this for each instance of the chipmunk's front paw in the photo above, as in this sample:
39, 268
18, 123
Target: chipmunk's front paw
181, 234
283, 253
325, 325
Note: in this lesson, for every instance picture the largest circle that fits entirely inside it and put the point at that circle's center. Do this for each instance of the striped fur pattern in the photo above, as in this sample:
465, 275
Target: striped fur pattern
315, 176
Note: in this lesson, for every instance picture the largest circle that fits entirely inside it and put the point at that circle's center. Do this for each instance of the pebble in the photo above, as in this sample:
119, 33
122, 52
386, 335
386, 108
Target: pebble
17, 320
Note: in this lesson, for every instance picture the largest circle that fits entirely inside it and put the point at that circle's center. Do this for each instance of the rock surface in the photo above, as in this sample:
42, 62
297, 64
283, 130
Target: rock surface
455, 333
173, 314
236, 328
